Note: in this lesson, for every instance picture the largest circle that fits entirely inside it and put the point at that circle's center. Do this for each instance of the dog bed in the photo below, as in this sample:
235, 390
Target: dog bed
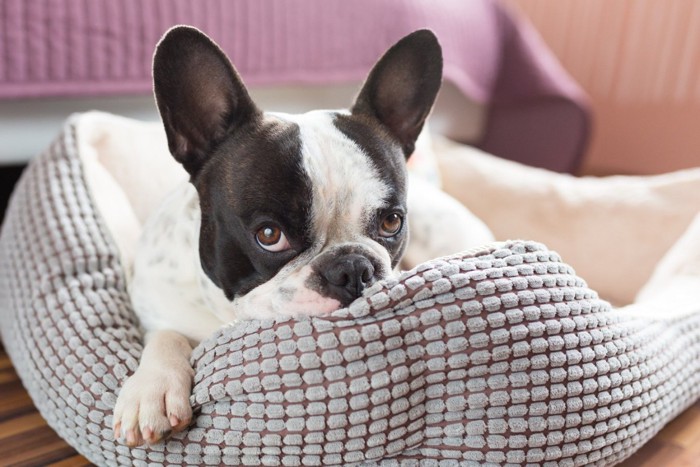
500, 355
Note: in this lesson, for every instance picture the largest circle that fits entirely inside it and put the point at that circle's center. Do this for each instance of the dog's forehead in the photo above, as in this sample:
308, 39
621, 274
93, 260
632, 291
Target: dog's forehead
340, 145
348, 183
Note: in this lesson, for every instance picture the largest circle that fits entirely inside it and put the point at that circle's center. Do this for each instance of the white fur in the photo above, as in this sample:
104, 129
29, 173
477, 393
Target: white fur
346, 185
169, 289
440, 225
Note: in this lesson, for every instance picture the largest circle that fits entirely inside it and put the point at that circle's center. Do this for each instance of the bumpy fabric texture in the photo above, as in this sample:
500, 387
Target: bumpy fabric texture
496, 356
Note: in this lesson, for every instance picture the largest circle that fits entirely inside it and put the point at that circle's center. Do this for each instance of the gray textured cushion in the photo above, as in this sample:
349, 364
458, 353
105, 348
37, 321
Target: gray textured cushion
500, 355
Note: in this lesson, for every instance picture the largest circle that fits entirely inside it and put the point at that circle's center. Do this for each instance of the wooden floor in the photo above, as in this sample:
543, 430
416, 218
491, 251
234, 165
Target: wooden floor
26, 440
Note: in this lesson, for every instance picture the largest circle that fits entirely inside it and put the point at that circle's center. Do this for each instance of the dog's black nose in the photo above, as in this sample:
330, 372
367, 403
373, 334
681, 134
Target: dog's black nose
348, 276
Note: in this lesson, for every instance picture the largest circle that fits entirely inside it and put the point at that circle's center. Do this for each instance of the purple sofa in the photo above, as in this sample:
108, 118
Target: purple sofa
535, 113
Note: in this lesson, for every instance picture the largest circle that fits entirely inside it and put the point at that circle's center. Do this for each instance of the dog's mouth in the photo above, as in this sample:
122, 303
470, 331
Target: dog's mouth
313, 303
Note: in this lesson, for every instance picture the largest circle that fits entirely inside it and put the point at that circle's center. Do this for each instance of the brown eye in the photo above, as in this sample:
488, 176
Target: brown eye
271, 238
391, 225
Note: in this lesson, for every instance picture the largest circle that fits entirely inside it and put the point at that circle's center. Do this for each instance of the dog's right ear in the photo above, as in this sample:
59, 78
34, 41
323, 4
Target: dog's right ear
401, 88
199, 94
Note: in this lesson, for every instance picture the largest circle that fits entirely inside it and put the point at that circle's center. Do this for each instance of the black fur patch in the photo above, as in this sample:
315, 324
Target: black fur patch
254, 176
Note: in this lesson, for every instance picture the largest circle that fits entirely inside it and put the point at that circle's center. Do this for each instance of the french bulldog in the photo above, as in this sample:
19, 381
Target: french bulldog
283, 215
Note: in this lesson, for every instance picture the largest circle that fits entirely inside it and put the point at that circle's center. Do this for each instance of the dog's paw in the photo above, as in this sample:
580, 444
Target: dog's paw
151, 405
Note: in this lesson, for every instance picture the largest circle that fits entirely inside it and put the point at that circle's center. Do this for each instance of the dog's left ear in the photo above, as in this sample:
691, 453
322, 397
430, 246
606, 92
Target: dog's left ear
401, 88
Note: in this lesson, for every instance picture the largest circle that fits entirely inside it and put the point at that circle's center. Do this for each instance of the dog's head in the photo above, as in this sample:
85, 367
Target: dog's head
298, 212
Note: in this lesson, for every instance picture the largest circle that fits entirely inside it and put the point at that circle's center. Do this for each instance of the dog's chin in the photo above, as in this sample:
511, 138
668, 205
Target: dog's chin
310, 303
264, 303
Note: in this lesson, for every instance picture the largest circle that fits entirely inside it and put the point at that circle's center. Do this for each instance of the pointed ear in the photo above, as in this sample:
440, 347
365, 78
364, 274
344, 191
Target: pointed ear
199, 94
402, 86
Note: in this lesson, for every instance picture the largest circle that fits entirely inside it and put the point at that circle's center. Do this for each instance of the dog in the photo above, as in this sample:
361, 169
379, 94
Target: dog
283, 215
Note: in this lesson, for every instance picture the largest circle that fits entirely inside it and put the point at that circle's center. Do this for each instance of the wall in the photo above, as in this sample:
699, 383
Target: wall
639, 60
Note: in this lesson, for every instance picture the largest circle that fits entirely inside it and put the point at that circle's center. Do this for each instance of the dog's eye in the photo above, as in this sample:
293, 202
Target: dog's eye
272, 238
391, 225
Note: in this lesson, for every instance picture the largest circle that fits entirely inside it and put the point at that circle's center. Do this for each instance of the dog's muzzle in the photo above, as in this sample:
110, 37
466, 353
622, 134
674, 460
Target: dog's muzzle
345, 272
348, 276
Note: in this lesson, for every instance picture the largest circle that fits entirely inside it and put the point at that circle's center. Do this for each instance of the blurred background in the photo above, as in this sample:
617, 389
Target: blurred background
583, 86
639, 63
